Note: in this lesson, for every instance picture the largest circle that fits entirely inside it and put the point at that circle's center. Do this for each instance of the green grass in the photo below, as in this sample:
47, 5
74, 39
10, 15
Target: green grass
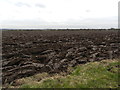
103, 74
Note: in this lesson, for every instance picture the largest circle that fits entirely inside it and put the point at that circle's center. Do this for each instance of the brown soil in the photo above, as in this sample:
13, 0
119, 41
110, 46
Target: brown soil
26, 53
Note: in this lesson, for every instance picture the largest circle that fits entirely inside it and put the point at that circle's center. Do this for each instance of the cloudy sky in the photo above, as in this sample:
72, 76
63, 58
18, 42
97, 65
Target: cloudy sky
59, 14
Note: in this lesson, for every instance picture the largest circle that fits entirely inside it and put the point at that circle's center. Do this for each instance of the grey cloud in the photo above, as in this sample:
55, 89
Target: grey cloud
108, 22
88, 10
25, 21
20, 4
40, 5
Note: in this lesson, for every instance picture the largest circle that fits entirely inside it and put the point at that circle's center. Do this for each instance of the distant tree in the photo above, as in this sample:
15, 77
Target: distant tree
112, 28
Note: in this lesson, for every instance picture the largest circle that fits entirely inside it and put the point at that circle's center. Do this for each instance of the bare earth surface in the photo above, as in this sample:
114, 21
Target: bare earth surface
26, 53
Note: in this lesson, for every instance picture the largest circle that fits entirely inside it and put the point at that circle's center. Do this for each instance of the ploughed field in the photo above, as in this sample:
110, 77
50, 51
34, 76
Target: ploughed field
26, 53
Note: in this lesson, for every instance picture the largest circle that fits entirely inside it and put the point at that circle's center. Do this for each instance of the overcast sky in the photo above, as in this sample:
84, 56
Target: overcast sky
59, 14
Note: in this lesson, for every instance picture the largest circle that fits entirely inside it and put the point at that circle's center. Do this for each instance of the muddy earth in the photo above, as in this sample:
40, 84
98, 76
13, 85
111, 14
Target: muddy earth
26, 53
